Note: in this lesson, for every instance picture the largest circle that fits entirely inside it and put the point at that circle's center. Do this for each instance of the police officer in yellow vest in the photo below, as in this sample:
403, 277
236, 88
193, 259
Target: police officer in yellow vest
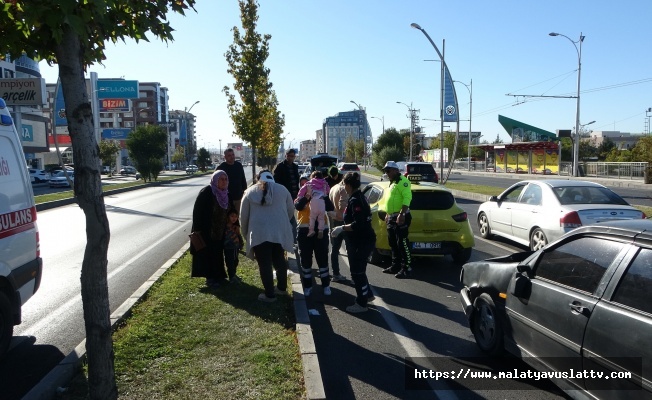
398, 221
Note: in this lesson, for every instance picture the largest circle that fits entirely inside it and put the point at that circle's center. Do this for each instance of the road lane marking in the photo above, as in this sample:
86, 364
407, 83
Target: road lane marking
56, 315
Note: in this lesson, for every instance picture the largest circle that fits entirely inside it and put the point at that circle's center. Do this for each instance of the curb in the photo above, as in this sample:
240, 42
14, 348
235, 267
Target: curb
309, 360
65, 371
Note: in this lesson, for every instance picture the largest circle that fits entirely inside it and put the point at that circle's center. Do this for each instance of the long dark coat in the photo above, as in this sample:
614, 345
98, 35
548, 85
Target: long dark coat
208, 262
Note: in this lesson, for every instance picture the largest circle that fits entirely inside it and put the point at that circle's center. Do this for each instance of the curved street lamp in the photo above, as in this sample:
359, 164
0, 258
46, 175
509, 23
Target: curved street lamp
185, 118
576, 143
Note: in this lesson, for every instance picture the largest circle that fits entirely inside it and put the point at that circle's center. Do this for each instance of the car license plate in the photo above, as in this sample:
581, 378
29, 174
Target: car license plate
426, 245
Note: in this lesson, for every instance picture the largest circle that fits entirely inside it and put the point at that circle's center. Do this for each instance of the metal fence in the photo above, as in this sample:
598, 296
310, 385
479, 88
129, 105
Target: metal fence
614, 170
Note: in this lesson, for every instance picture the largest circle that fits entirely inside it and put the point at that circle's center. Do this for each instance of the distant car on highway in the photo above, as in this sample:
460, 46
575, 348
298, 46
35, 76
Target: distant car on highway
191, 169
348, 167
38, 175
536, 212
59, 179
128, 170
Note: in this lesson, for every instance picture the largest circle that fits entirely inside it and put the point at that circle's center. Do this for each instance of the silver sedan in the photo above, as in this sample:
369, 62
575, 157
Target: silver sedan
536, 212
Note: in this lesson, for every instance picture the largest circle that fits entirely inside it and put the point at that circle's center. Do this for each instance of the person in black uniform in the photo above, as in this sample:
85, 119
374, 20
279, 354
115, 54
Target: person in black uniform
360, 240
237, 179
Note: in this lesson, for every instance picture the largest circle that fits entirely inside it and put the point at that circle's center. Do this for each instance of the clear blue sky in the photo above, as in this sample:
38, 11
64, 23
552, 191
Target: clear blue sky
323, 54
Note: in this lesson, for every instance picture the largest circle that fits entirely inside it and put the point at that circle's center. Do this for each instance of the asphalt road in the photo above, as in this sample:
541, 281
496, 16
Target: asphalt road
148, 226
363, 356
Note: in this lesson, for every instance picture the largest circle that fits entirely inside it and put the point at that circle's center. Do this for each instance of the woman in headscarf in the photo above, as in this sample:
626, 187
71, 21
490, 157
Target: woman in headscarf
209, 217
265, 216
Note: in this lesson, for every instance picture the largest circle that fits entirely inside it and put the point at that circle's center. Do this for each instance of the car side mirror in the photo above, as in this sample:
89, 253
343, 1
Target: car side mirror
521, 285
493, 198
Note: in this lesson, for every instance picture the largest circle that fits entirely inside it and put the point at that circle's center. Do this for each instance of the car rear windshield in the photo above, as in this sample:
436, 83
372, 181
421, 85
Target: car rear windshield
424, 169
350, 166
587, 195
435, 200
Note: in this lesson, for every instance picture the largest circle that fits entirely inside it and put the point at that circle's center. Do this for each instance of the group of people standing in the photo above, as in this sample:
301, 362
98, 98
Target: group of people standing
284, 211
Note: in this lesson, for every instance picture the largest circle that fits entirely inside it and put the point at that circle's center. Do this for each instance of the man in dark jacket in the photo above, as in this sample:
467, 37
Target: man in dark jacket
287, 173
237, 179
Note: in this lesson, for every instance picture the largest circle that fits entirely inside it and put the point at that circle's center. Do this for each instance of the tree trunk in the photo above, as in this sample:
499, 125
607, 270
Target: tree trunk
88, 191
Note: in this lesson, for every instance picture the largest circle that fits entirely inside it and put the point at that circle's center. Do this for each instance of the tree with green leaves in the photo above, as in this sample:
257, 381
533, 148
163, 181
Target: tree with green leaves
354, 150
179, 156
203, 159
254, 112
390, 138
109, 149
147, 145
393, 153
72, 34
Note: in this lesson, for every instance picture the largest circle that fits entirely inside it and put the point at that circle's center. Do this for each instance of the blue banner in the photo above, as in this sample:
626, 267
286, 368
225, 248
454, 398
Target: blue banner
60, 108
117, 89
183, 135
116, 133
450, 98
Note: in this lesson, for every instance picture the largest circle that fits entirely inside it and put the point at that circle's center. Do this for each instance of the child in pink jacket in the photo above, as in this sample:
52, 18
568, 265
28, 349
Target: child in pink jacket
316, 188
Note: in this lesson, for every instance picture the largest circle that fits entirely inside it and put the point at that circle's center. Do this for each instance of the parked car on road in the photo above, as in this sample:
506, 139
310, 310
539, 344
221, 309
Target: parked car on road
128, 170
439, 226
348, 167
38, 175
536, 212
58, 179
321, 162
191, 169
582, 303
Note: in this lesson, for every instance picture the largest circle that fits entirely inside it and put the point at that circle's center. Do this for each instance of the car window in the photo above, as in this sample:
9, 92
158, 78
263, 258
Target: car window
587, 195
634, 288
425, 169
436, 200
372, 194
531, 195
579, 264
513, 194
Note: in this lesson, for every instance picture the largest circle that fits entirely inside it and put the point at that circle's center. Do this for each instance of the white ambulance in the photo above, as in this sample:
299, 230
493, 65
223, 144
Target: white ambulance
21, 266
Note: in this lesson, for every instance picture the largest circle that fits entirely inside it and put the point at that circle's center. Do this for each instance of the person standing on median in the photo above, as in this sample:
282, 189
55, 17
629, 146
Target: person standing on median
237, 179
309, 245
209, 216
265, 219
360, 240
339, 197
398, 221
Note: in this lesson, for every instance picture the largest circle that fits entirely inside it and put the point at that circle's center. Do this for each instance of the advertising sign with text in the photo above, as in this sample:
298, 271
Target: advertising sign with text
117, 89
114, 105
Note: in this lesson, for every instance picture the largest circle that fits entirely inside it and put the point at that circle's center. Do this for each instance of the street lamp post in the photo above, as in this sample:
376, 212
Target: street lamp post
411, 125
371, 145
441, 96
470, 113
185, 118
355, 154
576, 143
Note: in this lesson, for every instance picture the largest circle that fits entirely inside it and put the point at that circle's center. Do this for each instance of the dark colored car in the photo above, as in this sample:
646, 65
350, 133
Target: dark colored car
581, 303
321, 162
422, 171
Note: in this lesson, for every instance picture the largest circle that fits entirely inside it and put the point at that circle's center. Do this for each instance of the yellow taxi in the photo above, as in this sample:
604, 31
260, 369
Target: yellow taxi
439, 226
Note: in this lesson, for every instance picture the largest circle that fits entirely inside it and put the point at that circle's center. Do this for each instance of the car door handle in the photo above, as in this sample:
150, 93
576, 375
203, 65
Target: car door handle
578, 308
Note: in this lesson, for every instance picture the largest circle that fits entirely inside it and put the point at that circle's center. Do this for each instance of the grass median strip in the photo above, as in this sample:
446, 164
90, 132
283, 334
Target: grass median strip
185, 341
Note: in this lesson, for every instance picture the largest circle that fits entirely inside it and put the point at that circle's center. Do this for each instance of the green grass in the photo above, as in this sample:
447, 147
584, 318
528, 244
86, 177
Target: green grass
188, 342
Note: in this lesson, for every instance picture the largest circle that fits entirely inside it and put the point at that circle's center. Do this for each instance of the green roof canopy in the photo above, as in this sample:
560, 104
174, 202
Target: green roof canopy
527, 133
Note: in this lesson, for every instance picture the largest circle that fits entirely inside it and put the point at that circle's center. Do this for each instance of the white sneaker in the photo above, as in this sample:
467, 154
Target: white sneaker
307, 291
327, 291
356, 308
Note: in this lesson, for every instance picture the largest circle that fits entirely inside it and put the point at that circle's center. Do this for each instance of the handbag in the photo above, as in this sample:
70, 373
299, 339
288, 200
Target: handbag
197, 241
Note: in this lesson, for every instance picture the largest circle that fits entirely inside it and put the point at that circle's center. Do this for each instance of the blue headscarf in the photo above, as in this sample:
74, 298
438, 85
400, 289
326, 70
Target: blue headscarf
222, 195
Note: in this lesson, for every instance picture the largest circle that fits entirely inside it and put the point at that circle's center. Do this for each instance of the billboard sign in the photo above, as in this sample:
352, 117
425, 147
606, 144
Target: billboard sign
114, 105
23, 91
117, 89
115, 133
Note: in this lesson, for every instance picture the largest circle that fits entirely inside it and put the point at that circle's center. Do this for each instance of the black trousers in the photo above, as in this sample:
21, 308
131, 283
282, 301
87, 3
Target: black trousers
397, 236
358, 253
307, 247
232, 261
271, 256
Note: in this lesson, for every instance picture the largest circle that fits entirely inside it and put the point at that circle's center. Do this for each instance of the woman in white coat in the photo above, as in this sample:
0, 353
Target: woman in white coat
265, 215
